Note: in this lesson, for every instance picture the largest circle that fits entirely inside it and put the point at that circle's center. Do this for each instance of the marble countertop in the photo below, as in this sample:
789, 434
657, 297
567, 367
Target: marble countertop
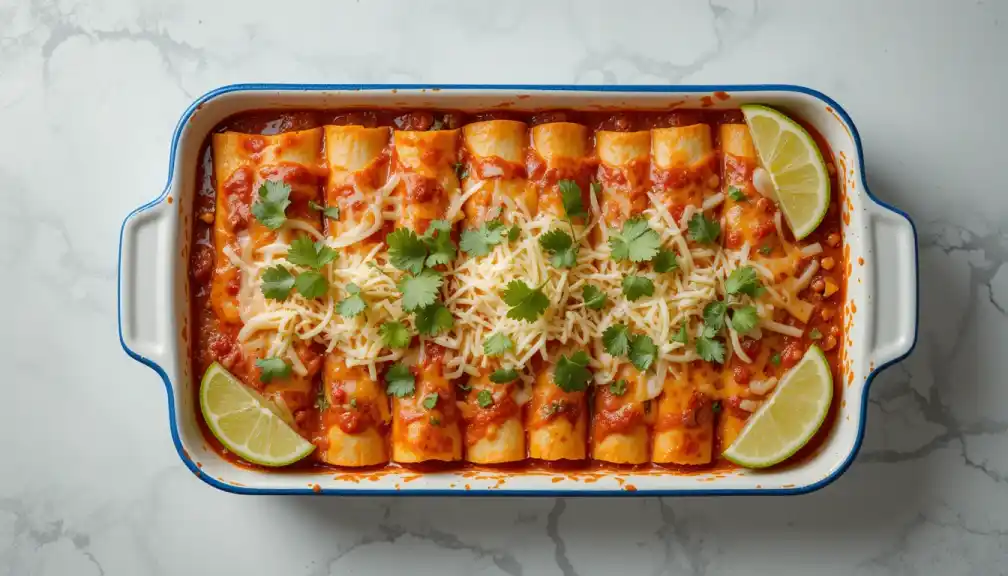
89, 96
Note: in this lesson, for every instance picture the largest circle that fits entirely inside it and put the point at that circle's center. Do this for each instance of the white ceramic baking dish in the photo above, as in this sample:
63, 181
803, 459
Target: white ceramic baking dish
881, 305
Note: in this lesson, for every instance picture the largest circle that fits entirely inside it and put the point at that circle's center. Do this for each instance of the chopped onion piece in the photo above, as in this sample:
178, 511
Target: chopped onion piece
750, 405
764, 184
812, 249
712, 201
762, 387
782, 328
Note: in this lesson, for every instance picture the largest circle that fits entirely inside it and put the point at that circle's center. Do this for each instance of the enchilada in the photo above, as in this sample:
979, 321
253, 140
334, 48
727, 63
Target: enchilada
514, 171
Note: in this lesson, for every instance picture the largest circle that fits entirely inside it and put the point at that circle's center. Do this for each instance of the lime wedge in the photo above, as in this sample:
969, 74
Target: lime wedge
795, 165
241, 419
789, 418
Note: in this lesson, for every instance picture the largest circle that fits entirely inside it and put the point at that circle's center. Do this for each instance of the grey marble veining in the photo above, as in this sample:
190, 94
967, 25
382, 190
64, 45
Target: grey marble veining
89, 95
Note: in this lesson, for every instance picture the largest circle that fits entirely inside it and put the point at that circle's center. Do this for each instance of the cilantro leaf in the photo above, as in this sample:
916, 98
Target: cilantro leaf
329, 211
616, 339
421, 290
353, 403
435, 421
504, 375
682, 336
572, 374
744, 319
480, 241
311, 284
710, 350
434, 319
525, 303
277, 282
399, 380
765, 250
314, 255
716, 407
775, 359
642, 352
636, 242
561, 248
594, 298
271, 206
321, 402
438, 241
743, 280
352, 305
617, 388
272, 368
736, 194
635, 286
815, 334
461, 172
406, 250
394, 334
513, 233
704, 230
665, 261
570, 193
497, 344
430, 401
713, 317
484, 398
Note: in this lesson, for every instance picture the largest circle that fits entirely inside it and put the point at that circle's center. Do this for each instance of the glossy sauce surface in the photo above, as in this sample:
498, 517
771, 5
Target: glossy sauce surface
212, 340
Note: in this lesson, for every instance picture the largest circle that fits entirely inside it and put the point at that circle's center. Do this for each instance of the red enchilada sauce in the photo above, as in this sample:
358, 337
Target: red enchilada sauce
212, 340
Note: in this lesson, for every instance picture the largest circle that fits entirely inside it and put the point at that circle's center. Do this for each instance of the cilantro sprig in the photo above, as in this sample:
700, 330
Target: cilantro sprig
270, 209
394, 334
353, 304
434, 319
703, 230
619, 341
594, 298
562, 247
272, 368
277, 282
497, 344
526, 303
635, 287
618, 388
399, 380
421, 290
480, 242
571, 373
504, 375
314, 255
484, 398
329, 211
636, 242
743, 280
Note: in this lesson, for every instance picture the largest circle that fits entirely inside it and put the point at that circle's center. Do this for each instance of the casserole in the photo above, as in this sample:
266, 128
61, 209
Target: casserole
880, 308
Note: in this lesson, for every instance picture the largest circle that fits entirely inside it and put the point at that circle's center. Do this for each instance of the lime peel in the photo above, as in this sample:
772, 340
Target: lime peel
242, 420
789, 418
795, 165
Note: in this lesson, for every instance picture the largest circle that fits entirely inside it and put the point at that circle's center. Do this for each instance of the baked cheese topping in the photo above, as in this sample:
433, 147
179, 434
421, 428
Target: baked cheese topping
475, 298
473, 292
271, 325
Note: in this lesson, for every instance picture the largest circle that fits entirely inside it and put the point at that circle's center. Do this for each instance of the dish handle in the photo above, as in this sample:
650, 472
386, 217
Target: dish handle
145, 307
894, 240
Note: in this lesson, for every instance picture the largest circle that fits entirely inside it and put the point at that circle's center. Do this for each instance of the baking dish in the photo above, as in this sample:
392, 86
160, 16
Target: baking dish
881, 306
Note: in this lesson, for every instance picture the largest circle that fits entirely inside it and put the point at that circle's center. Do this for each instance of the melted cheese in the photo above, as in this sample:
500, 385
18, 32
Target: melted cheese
476, 300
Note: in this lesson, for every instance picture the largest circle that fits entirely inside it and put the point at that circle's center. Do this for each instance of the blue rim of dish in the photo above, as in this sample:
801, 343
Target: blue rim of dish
227, 487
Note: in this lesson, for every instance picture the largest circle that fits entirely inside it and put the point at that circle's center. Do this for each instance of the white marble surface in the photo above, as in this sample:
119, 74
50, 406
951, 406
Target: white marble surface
89, 95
